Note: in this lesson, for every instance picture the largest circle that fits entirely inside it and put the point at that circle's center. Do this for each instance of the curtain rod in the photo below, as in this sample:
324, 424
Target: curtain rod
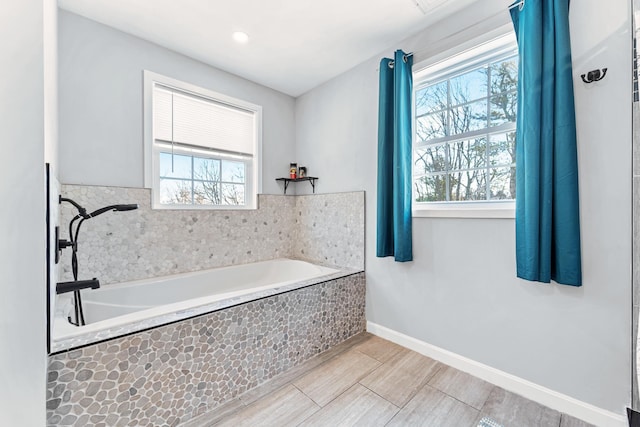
519, 4
404, 58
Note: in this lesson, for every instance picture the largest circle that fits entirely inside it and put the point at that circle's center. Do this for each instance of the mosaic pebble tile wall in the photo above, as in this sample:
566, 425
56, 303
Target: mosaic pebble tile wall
330, 229
173, 373
123, 246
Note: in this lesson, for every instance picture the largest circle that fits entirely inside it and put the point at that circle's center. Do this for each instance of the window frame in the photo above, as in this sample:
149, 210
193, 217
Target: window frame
152, 150
452, 62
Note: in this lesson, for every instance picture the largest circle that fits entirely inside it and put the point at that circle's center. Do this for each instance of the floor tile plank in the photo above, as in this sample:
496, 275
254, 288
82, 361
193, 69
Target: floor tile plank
286, 407
569, 421
216, 414
378, 348
462, 386
370, 381
510, 409
358, 406
327, 381
401, 377
431, 407
286, 377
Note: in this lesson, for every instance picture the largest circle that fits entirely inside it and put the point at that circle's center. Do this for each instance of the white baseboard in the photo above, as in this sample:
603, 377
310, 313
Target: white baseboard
547, 397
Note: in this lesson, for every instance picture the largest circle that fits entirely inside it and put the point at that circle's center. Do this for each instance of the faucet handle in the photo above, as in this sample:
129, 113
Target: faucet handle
76, 285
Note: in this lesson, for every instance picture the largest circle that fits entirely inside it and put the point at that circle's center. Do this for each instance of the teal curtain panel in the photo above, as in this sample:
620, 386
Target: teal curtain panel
547, 203
394, 158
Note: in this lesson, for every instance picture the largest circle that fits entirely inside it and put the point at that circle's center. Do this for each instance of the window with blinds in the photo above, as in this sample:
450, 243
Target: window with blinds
203, 148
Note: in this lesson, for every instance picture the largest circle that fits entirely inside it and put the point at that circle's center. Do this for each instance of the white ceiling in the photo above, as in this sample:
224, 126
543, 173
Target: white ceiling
294, 45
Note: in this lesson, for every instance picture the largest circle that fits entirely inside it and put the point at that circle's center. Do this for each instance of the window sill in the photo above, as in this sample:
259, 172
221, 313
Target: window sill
489, 210
185, 207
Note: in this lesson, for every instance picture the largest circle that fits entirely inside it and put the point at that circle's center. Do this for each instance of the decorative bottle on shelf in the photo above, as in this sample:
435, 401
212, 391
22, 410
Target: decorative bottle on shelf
293, 170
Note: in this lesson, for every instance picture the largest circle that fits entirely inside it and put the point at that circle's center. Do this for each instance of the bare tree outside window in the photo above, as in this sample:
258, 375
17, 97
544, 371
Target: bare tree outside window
201, 181
206, 188
177, 192
465, 148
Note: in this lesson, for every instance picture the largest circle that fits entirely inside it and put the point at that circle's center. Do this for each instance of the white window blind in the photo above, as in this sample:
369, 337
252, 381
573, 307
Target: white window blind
192, 120
202, 148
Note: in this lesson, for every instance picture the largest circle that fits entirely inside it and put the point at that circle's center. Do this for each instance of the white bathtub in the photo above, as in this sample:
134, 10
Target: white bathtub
126, 307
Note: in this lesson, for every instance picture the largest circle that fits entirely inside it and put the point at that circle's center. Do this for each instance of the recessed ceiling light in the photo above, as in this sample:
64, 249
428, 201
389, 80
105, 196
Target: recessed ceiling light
241, 37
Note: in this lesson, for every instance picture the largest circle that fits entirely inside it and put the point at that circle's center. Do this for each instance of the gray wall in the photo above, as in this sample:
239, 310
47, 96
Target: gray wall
101, 110
27, 110
460, 293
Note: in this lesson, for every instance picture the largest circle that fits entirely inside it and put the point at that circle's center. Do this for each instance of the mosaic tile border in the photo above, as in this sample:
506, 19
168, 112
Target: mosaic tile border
170, 374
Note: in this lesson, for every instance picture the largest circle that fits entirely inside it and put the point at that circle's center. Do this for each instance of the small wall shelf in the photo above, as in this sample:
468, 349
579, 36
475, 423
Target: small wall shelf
311, 179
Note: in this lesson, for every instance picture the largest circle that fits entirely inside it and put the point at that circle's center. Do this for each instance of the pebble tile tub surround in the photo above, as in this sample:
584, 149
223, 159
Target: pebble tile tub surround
197, 310
123, 246
330, 229
170, 374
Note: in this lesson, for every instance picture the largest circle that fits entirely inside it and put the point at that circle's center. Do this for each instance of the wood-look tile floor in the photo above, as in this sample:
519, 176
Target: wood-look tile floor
368, 381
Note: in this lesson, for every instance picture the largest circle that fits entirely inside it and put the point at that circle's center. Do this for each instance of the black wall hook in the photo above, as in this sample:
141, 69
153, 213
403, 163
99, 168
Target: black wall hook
594, 76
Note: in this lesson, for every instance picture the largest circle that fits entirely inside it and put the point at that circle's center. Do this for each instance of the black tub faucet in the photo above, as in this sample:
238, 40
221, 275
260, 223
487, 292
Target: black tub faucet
76, 285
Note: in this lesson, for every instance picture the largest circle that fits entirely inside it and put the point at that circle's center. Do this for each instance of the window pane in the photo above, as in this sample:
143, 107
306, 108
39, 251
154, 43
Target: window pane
175, 191
504, 76
181, 166
504, 108
468, 185
471, 161
431, 98
503, 183
469, 86
232, 171
502, 150
206, 169
430, 159
468, 154
431, 126
232, 194
206, 193
469, 117
431, 188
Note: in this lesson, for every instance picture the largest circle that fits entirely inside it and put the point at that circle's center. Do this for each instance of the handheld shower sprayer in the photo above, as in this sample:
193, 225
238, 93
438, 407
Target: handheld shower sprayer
73, 242
114, 208
82, 212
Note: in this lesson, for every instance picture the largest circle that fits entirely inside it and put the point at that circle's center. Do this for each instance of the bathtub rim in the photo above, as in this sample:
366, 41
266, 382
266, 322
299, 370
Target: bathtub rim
82, 340
66, 308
